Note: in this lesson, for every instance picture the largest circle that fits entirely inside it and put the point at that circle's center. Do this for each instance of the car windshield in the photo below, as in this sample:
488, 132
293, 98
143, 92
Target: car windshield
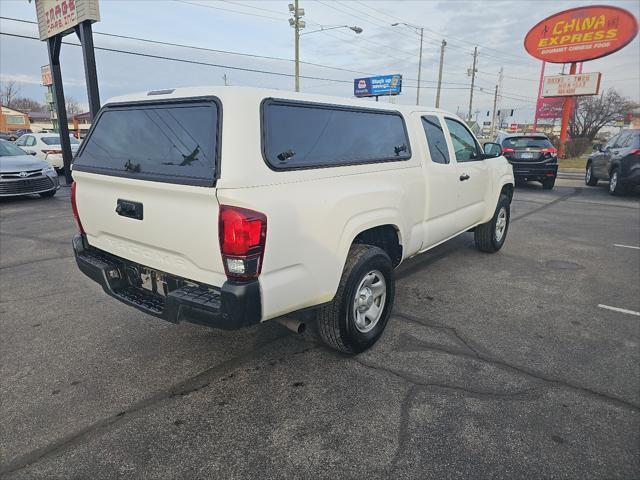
526, 142
55, 140
8, 149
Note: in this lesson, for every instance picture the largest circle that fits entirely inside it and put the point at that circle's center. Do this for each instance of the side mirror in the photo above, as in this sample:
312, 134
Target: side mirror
597, 147
32, 153
492, 150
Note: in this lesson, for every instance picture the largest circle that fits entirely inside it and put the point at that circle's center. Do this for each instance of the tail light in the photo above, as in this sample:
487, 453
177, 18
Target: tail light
74, 207
507, 150
242, 235
52, 152
551, 150
635, 152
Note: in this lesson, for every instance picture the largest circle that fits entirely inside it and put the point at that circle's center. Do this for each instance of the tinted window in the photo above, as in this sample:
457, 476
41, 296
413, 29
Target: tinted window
55, 140
526, 142
464, 145
8, 149
164, 142
435, 138
306, 135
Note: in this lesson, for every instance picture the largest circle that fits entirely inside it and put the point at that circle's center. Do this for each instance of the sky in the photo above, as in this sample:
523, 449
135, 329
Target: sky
253, 30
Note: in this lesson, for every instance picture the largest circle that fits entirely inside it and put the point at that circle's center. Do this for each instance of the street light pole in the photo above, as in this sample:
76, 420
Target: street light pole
419, 67
296, 18
444, 44
473, 80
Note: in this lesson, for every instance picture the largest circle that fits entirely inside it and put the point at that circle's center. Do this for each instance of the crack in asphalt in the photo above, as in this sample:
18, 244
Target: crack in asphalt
47, 259
575, 191
476, 354
35, 239
183, 388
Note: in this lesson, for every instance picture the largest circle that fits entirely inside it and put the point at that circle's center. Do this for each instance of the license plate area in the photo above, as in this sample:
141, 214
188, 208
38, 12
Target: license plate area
527, 155
153, 281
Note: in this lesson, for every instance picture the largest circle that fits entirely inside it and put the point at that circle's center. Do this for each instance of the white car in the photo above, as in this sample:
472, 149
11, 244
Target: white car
231, 206
46, 146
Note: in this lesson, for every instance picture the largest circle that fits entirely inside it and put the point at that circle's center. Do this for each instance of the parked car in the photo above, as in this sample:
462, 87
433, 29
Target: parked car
21, 131
618, 161
532, 155
46, 146
22, 174
231, 206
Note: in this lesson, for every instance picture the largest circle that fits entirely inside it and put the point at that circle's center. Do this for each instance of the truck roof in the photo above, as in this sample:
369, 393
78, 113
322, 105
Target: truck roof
232, 92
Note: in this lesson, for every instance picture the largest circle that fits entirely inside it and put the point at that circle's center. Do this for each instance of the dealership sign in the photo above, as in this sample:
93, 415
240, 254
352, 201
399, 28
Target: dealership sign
581, 34
571, 85
377, 86
61, 16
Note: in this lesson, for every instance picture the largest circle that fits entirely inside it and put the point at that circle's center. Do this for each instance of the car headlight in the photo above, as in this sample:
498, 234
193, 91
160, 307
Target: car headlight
49, 170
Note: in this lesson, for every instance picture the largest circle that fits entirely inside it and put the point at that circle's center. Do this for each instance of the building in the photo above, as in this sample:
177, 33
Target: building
78, 124
12, 120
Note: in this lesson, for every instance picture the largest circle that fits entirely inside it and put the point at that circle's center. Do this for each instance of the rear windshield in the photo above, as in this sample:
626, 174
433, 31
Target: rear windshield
303, 135
174, 143
55, 140
526, 142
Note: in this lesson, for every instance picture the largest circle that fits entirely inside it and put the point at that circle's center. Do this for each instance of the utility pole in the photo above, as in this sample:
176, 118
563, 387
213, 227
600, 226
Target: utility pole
473, 80
444, 44
419, 67
493, 117
226, 80
297, 25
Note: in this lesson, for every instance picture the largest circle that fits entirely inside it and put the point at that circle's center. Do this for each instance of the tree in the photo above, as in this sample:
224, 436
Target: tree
594, 112
9, 91
73, 107
28, 105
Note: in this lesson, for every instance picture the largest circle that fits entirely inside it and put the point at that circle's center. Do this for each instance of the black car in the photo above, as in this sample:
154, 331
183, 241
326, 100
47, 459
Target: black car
532, 156
618, 161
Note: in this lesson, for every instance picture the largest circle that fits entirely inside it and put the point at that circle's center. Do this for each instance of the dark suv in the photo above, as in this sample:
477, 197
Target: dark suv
618, 161
532, 156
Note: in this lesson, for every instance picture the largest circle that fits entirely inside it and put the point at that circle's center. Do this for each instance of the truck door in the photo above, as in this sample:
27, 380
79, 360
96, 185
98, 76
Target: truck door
441, 184
473, 174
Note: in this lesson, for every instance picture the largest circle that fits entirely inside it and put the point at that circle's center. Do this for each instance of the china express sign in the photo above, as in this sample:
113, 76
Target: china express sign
581, 34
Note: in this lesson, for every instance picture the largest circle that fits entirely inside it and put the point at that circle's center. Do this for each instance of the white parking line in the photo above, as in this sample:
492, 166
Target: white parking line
626, 246
621, 310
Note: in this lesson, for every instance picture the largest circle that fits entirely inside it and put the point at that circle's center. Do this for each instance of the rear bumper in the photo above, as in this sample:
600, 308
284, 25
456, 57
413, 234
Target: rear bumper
233, 306
630, 174
534, 170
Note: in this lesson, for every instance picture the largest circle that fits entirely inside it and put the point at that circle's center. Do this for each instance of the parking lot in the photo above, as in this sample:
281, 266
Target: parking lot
492, 366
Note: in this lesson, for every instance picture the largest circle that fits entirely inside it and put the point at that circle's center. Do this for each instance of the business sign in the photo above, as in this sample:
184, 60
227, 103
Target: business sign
377, 86
45, 71
581, 34
571, 85
61, 16
513, 127
549, 107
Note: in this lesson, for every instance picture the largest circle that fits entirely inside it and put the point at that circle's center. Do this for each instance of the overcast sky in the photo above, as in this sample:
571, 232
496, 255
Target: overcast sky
260, 28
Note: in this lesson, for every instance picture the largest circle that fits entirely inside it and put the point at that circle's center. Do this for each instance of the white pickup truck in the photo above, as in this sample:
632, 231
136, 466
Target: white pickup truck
229, 206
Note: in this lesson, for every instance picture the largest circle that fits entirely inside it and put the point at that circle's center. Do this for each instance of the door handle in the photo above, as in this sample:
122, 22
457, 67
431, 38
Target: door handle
464, 177
126, 208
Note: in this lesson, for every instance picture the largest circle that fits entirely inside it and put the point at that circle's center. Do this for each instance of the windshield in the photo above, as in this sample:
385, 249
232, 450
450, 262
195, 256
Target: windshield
55, 140
8, 149
526, 142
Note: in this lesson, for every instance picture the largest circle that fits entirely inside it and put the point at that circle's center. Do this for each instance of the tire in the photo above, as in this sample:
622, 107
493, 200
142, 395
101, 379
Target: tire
488, 237
589, 178
548, 183
340, 323
615, 186
48, 194
520, 182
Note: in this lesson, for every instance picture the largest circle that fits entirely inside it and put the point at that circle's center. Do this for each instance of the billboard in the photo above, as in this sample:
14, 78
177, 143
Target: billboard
571, 85
60, 16
580, 34
377, 86
549, 107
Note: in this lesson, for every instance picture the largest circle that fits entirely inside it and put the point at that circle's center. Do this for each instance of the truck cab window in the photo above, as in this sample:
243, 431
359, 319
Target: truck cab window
464, 145
435, 139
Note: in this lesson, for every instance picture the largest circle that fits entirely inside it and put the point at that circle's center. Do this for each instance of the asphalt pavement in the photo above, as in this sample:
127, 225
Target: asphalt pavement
522, 364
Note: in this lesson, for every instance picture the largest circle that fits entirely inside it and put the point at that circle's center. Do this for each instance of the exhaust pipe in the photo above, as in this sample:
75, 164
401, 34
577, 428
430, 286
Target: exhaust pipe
292, 324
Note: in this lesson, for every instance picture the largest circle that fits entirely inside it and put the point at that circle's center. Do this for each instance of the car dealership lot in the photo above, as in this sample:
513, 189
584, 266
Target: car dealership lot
492, 365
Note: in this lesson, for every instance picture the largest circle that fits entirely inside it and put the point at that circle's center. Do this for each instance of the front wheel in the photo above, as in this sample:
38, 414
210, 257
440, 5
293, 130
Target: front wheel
358, 314
589, 178
489, 237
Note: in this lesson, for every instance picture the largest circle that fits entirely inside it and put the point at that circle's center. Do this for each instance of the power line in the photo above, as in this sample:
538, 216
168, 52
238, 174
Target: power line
231, 10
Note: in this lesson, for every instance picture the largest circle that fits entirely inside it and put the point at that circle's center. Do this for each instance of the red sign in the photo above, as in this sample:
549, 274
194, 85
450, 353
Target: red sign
549, 107
581, 34
513, 127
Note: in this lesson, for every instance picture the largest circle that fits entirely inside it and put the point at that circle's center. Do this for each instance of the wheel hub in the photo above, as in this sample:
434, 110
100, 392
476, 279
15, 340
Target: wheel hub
369, 301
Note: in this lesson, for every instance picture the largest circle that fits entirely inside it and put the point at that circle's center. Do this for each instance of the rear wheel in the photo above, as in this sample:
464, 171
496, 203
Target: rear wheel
615, 186
589, 178
548, 183
358, 314
489, 237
